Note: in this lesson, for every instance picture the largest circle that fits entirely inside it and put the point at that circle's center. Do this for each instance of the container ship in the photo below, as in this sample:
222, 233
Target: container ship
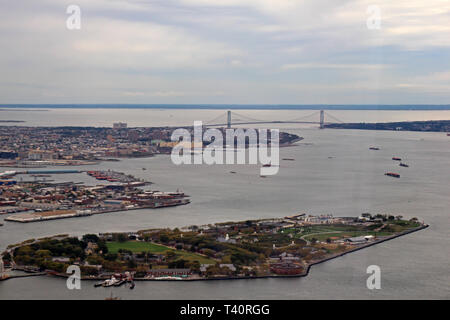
392, 174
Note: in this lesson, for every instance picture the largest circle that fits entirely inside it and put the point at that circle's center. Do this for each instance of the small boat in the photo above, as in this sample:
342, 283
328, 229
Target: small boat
396, 159
266, 165
232, 171
111, 282
392, 174
374, 148
403, 165
144, 168
262, 176
288, 159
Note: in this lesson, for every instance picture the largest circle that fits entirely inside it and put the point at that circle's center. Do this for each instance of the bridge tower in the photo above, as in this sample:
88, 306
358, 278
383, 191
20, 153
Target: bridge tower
229, 119
322, 118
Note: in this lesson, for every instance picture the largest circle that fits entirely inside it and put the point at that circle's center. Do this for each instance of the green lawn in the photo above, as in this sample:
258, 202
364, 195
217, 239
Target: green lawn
193, 256
135, 246
139, 246
324, 236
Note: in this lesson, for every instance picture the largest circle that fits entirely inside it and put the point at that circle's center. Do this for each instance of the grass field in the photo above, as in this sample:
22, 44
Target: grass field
139, 246
136, 247
344, 234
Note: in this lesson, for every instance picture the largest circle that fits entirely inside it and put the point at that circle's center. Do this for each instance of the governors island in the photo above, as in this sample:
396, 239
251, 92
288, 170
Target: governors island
275, 247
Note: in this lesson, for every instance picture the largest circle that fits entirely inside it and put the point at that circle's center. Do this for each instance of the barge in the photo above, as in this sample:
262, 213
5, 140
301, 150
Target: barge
392, 174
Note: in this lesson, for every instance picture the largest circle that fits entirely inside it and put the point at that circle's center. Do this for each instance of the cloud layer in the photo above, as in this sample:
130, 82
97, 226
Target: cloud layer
225, 51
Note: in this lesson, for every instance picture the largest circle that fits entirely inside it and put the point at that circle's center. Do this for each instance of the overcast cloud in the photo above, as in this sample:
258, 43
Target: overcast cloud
225, 51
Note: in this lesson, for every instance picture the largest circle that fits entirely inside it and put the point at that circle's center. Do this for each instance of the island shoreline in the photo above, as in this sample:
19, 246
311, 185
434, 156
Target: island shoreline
304, 274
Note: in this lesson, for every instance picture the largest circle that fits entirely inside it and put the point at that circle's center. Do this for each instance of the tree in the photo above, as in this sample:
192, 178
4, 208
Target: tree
164, 238
6, 256
170, 254
132, 264
122, 237
111, 256
102, 247
179, 263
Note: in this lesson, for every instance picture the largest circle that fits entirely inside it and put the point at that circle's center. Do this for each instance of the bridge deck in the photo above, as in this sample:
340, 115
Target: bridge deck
262, 122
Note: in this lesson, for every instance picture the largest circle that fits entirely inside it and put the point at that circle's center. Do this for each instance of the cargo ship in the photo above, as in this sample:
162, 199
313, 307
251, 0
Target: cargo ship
403, 165
392, 174
396, 159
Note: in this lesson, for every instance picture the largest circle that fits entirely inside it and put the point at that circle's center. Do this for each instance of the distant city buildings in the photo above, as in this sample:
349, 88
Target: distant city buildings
120, 125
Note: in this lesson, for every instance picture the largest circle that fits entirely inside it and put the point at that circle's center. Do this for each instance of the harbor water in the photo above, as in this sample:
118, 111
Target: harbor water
333, 172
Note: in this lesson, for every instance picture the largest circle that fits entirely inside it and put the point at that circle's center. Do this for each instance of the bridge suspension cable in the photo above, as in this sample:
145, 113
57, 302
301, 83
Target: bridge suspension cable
245, 118
219, 119
333, 118
238, 118
315, 113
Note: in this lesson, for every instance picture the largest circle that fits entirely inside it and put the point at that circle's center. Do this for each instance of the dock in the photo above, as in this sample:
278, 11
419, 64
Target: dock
47, 215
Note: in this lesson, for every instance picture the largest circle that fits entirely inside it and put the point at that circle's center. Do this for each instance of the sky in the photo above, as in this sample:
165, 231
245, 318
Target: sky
226, 51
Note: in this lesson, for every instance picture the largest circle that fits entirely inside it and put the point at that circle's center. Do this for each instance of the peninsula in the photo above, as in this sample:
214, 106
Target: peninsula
23, 147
